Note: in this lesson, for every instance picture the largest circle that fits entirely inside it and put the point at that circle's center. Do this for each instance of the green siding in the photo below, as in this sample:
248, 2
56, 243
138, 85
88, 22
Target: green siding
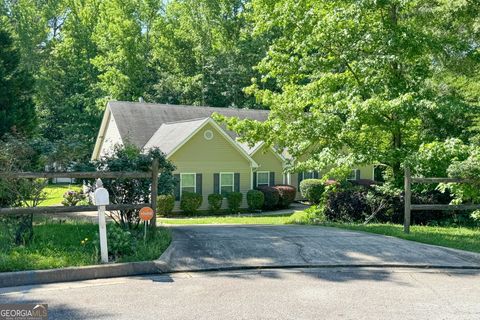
209, 157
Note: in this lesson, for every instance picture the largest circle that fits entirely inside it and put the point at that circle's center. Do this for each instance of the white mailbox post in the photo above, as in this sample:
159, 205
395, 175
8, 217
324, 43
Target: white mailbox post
102, 200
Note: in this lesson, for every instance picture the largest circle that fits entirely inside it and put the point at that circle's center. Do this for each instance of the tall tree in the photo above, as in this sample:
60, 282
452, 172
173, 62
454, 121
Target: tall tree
360, 81
17, 111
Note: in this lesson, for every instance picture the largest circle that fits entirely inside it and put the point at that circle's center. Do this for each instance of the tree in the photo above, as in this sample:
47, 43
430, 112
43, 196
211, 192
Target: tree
17, 110
130, 158
360, 82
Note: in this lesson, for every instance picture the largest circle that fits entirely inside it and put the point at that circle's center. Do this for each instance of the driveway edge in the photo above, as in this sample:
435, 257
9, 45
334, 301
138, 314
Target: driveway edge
32, 277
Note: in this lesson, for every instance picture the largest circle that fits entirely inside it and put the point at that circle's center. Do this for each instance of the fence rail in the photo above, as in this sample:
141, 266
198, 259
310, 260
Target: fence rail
445, 207
152, 174
76, 175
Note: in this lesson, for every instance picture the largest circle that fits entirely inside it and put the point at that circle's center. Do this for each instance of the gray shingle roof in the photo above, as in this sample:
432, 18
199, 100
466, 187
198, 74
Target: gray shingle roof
137, 122
172, 134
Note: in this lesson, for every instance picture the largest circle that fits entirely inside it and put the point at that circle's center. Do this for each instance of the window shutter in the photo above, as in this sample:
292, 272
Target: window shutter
198, 181
316, 175
216, 183
300, 178
357, 174
176, 178
254, 180
236, 182
272, 178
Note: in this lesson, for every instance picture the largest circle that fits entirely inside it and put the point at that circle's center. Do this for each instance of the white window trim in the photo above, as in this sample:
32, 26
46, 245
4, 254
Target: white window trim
220, 181
194, 182
267, 172
355, 175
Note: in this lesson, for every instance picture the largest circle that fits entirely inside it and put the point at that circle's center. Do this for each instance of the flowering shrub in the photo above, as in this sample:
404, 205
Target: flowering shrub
72, 198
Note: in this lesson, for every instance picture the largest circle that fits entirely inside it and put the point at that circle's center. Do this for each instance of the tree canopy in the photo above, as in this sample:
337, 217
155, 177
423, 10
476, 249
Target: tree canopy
347, 82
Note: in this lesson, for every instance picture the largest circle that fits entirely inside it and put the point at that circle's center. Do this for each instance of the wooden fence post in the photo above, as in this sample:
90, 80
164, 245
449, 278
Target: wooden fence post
408, 201
154, 193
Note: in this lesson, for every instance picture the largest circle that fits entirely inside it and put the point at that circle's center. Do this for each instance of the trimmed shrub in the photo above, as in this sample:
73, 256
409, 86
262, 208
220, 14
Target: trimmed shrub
312, 190
347, 205
234, 200
190, 202
272, 197
255, 199
165, 204
215, 202
287, 195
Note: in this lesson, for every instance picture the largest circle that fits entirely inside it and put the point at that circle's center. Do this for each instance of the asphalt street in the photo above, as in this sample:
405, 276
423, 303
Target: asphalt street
328, 293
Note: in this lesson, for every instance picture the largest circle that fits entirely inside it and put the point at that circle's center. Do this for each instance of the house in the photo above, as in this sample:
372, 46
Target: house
209, 159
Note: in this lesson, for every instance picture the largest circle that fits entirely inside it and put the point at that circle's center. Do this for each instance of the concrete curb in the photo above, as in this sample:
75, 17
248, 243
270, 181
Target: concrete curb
31, 277
168, 269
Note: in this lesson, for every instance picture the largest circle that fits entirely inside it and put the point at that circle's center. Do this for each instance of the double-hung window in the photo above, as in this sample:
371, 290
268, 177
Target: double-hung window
187, 182
226, 182
263, 178
353, 174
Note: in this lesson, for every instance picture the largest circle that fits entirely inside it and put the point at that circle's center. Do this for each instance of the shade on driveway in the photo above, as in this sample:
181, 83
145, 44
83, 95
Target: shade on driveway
211, 247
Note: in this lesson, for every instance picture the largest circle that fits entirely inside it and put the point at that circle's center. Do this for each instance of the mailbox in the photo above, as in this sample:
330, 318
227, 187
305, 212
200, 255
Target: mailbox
101, 195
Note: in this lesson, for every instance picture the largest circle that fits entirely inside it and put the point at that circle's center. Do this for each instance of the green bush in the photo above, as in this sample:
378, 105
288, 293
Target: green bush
234, 200
287, 195
272, 197
190, 202
312, 190
165, 204
72, 198
215, 202
255, 199
120, 242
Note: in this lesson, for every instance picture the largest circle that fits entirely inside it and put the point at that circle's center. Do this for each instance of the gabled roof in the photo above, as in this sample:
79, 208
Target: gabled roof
137, 122
173, 135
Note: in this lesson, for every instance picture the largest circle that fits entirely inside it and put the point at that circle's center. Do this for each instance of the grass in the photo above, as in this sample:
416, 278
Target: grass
296, 217
54, 193
67, 244
453, 237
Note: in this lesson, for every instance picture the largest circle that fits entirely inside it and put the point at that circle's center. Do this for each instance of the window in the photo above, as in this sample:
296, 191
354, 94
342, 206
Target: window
263, 178
226, 183
187, 182
353, 175
309, 175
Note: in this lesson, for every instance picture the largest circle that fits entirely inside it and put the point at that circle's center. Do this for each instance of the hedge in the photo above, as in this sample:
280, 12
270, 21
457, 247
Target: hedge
255, 199
190, 202
215, 202
234, 200
287, 195
165, 204
312, 190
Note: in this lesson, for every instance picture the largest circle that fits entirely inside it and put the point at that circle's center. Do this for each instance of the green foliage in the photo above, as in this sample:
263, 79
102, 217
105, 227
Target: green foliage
255, 199
234, 201
190, 202
17, 110
469, 169
72, 198
165, 204
370, 74
312, 190
287, 195
271, 196
215, 202
120, 242
132, 191
59, 244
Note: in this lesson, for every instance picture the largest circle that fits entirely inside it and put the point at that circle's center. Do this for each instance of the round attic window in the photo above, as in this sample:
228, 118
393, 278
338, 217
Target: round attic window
208, 134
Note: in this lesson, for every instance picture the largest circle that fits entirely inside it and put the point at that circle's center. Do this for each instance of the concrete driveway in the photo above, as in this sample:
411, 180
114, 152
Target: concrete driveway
212, 247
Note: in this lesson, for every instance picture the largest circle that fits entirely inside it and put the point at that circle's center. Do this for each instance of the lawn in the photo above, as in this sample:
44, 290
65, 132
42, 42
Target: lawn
453, 237
296, 217
69, 244
54, 193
